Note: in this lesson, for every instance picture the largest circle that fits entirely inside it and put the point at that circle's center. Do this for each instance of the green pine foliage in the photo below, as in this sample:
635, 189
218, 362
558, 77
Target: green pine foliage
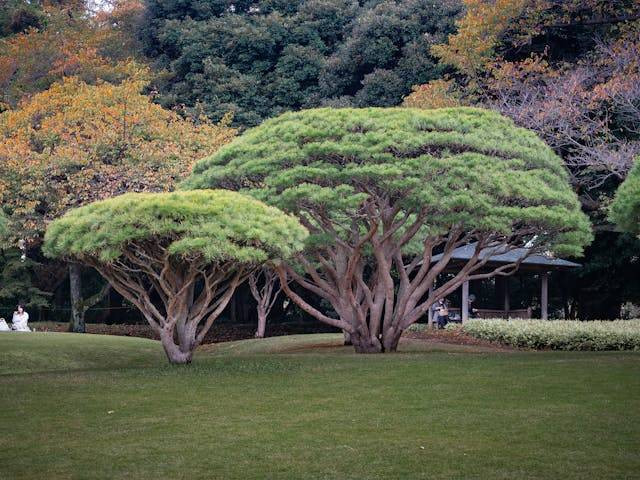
625, 209
218, 226
470, 167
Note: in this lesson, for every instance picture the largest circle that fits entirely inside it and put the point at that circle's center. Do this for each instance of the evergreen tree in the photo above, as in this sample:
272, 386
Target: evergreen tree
261, 58
383, 190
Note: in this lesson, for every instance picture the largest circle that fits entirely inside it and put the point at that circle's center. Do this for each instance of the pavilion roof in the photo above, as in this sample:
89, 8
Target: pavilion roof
500, 255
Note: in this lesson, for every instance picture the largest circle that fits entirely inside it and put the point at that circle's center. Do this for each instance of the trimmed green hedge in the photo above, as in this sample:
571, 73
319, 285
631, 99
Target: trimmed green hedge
559, 334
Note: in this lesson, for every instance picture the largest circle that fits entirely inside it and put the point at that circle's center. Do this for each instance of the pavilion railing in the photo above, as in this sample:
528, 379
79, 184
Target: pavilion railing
522, 313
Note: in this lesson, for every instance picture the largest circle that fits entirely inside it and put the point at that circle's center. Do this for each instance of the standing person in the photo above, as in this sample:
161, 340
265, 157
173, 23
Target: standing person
441, 311
473, 312
20, 320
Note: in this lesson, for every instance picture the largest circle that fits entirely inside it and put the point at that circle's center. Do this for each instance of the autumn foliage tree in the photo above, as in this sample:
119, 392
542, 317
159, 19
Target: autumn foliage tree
68, 42
178, 257
568, 70
478, 34
76, 143
435, 94
382, 191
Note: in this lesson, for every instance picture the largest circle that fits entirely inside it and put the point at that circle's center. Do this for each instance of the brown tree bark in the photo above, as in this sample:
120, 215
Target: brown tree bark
180, 298
373, 309
80, 305
262, 284
77, 312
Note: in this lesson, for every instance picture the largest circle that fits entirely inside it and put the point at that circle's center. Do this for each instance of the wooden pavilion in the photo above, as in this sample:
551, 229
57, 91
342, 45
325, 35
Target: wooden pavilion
529, 263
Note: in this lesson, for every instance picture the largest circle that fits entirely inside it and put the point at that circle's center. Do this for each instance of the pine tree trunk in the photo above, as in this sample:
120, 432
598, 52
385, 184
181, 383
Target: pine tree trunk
365, 344
76, 323
175, 354
390, 340
262, 324
372, 344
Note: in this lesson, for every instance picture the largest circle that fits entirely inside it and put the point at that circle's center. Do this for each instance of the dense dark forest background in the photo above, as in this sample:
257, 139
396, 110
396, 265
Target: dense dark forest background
259, 59
570, 70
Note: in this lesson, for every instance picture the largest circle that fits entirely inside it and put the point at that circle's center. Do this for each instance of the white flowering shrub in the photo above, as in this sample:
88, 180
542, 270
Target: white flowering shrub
559, 334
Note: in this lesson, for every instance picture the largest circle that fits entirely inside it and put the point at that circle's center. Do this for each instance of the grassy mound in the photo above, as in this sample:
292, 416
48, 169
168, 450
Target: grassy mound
41, 352
46, 352
559, 334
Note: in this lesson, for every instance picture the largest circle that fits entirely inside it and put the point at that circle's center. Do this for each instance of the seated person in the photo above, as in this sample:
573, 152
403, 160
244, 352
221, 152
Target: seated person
3, 326
441, 312
20, 320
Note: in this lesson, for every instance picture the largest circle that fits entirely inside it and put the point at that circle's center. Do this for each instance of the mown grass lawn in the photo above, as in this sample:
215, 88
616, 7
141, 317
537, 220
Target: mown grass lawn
97, 407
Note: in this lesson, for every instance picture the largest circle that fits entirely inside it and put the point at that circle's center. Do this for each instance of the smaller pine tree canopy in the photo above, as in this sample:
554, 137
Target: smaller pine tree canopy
216, 226
177, 256
625, 209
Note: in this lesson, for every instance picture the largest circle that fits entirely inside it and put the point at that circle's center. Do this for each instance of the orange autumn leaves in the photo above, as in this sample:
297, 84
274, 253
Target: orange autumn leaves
478, 34
75, 143
70, 43
568, 70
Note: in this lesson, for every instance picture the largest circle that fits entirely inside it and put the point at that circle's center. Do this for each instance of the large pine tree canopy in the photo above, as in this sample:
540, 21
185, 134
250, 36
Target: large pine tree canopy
383, 190
261, 58
468, 167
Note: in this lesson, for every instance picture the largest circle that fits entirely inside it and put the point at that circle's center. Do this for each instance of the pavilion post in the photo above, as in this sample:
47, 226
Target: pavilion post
465, 301
430, 311
544, 297
507, 303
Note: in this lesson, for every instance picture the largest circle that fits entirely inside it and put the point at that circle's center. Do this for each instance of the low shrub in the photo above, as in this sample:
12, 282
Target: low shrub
559, 334
418, 327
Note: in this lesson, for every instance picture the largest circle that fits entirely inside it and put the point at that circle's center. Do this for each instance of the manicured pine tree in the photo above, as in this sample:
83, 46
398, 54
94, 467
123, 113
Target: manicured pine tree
178, 257
382, 191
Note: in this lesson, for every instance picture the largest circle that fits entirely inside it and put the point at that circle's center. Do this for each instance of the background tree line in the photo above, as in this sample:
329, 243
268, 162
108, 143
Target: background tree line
100, 101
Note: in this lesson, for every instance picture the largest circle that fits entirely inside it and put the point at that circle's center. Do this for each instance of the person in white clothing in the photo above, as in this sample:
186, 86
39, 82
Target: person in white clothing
20, 320
3, 326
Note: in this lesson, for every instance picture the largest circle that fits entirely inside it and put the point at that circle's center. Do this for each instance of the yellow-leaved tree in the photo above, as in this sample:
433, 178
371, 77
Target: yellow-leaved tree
75, 143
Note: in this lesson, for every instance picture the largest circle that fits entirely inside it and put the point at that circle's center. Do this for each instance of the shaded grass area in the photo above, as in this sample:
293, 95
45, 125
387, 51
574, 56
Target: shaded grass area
223, 332
273, 409
332, 343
